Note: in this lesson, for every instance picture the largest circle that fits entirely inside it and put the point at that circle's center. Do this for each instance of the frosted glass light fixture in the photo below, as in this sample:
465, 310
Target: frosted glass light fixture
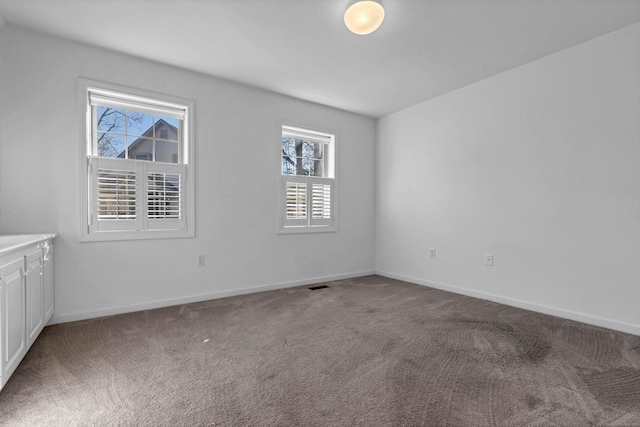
364, 16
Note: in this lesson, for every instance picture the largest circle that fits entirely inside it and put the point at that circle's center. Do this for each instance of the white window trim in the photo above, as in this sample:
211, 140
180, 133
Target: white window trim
282, 179
84, 86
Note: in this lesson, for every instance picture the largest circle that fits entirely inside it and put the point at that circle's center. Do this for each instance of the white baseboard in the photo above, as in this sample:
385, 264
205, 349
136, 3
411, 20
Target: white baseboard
554, 311
580, 317
72, 317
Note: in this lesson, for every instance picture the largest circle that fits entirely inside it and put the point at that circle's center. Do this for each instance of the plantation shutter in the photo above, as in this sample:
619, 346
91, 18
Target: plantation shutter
165, 196
296, 200
295, 196
308, 201
129, 195
115, 186
321, 202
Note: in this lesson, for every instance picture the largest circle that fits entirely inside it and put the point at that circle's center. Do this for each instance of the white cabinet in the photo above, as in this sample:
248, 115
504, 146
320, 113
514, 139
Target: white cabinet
26, 296
34, 286
12, 325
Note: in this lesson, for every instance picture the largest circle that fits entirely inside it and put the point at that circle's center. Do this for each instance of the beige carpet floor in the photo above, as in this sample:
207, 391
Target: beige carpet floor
369, 351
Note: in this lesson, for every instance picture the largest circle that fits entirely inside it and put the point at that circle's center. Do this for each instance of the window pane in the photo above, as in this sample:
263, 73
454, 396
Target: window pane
167, 128
288, 147
289, 161
110, 145
140, 145
318, 167
110, 119
167, 151
171, 120
287, 167
139, 123
307, 166
302, 158
308, 149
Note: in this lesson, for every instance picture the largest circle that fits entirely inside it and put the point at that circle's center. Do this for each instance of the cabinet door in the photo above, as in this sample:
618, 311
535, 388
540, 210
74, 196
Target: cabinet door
12, 316
49, 290
35, 296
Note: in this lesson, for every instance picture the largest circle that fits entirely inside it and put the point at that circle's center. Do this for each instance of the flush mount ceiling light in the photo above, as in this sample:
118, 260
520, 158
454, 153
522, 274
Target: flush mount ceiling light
364, 16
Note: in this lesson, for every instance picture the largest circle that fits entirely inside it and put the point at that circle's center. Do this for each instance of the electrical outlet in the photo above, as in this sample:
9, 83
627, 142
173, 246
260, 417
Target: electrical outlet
432, 252
200, 260
488, 259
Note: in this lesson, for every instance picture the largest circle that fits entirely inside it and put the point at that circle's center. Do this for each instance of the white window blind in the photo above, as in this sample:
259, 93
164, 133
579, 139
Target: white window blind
305, 134
136, 103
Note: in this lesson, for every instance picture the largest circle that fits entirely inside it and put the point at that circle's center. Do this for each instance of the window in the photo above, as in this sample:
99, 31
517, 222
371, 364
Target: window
138, 158
306, 181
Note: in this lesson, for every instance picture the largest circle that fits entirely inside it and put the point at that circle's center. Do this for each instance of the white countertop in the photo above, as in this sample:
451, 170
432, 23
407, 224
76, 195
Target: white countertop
10, 243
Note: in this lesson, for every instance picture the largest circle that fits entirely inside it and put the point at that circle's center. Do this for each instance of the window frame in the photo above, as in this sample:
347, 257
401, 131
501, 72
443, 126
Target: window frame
89, 161
308, 225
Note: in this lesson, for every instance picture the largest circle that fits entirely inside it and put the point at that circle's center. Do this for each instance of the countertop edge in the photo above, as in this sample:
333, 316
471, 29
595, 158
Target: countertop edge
13, 242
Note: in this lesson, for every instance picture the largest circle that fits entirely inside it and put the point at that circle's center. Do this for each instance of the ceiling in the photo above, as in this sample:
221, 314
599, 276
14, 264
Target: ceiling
301, 48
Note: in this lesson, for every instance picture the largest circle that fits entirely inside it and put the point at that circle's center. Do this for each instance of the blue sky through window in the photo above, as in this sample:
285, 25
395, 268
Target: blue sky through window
118, 126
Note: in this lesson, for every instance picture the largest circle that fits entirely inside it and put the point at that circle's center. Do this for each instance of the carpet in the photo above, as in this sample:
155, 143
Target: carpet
368, 351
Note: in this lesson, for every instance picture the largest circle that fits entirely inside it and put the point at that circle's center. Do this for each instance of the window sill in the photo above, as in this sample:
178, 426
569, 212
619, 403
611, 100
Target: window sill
108, 236
305, 229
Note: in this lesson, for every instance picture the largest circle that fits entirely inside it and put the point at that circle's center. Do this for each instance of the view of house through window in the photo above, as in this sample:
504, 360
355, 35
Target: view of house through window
130, 134
137, 164
307, 183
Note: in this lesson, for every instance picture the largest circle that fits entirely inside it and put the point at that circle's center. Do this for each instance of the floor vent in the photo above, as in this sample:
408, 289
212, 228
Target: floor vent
315, 288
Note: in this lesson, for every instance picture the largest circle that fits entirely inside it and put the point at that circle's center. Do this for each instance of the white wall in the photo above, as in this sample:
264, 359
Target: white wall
3, 100
539, 166
236, 190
